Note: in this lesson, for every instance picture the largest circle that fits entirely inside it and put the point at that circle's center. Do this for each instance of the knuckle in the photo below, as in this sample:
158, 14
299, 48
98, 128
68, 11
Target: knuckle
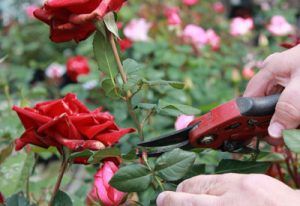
249, 182
287, 110
168, 199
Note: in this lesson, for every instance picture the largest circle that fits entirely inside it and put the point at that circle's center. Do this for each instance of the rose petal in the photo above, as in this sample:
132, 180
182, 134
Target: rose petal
29, 137
112, 137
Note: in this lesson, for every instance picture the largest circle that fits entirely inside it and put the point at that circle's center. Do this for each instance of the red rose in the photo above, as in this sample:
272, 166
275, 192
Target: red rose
68, 122
1, 198
73, 19
125, 44
77, 66
108, 195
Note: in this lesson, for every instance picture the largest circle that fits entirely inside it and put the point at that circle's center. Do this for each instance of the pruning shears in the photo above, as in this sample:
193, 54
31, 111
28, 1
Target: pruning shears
229, 127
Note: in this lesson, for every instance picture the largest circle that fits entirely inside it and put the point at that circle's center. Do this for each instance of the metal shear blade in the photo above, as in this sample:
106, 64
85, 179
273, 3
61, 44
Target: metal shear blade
165, 143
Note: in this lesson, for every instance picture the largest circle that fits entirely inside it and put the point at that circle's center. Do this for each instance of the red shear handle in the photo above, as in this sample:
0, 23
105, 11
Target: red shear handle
257, 106
238, 120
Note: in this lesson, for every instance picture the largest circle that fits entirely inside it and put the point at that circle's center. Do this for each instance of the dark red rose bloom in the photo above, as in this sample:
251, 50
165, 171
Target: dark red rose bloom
68, 122
1, 198
77, 66
125, 44
73, 19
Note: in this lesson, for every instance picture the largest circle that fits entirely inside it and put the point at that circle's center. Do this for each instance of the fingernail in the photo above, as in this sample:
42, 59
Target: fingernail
160, 199
275, 130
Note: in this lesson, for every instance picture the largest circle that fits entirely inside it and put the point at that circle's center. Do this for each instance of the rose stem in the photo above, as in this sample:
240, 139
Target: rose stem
124, 78
62, 170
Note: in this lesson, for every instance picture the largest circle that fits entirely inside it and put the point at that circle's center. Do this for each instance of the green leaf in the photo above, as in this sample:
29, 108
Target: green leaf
26, 171
6, 152
270, 157
85, 153
292, 140
18, 200
109, 88
146, 106
243, 167
154, 83
110, 22
62, 199
105, 57
173, 165
132, 178
131, 66
185, 109
196, 169
105, 153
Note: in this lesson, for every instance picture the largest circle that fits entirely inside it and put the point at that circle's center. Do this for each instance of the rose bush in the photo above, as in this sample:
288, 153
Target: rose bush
68, 123
74, 19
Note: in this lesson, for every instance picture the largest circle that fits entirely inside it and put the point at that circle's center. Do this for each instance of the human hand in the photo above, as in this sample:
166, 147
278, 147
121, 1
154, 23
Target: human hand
230, 190
280, 71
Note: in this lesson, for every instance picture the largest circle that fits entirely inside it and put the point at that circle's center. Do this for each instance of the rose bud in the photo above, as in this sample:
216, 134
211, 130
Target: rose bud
108, 195
77, 66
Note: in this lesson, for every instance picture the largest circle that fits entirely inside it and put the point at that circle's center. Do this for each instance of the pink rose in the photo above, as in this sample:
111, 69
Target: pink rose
218, 7
190, 2
108, 195
55, 71
279, 26
137, 30
241, 26
213, 39
195, 35
172, 14
183, 121
29, 11
248, 73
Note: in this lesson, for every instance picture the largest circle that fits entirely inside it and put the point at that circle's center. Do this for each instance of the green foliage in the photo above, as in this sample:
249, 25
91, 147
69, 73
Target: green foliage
173, 165
132, 178
244, 167
62, 199
292, 140
18, 199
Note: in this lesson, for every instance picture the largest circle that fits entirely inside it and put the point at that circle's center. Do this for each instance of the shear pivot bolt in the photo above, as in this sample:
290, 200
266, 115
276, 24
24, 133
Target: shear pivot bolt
207, 140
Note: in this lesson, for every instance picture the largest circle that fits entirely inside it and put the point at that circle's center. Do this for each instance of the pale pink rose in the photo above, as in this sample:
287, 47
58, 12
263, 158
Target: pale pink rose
137, 30
29, 11
195, 34
248, 73
218, 7
173, 17
183, 121
55, 70
108, 195
213, 39
279, 26
190, 2
241, 26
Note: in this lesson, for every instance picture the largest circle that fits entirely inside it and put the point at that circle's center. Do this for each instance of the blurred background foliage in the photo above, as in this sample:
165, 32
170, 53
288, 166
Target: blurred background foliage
211, 77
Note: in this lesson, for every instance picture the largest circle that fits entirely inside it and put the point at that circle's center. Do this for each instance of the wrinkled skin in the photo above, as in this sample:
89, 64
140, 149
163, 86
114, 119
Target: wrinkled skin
74, 19
230, 190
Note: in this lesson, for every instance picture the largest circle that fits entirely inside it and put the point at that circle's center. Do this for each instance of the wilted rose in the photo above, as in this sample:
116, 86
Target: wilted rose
108, 195
74, 20
67, 122
77, 66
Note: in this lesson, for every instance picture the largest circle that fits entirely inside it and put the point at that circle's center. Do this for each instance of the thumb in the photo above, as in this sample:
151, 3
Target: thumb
287, 113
